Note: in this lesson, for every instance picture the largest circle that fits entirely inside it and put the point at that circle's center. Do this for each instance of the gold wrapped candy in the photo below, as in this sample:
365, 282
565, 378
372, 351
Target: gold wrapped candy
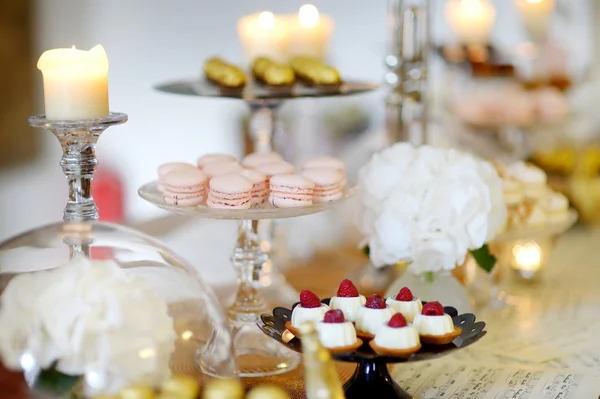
267, 392
224, 74
137, 392
180, 387
223, 389
315, 72
272, 73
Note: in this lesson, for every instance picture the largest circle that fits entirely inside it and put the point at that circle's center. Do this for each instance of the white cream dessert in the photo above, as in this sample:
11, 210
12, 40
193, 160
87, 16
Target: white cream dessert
555, 205
310, 309
533, 180
398, 335
335, 331
432, 321
374, 314
348, 300
405, 303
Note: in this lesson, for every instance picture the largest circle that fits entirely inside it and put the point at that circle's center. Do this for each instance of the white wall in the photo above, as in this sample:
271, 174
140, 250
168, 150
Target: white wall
153, 41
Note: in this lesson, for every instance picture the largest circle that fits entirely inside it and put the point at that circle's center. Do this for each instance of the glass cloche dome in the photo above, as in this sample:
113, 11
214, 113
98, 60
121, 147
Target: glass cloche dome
89, 308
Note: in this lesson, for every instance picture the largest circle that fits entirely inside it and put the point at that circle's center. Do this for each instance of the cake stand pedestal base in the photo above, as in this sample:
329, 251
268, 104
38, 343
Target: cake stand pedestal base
372, 377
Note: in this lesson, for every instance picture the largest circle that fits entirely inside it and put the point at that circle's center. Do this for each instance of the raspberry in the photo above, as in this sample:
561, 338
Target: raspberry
433, 309
347, 289
404, 295
397, 321
375, 302
334, 316
308, 299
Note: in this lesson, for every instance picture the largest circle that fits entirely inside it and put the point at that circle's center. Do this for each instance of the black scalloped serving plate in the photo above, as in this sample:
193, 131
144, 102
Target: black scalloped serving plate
371, 374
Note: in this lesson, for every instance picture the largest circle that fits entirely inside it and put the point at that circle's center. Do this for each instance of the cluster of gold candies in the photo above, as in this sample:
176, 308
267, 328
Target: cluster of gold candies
224, 74
315, 72
272, 73
568, 160
185, 387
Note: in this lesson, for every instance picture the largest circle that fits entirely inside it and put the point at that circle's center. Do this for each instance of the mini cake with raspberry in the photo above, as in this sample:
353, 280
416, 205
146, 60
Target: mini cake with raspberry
310, 309
348, 300
396, 338
336, 333
374, 314
405, 303
434, 326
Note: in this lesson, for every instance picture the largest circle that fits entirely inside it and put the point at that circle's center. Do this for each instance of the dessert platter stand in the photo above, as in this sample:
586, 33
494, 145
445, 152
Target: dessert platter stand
371, 377
257, 354
264, 104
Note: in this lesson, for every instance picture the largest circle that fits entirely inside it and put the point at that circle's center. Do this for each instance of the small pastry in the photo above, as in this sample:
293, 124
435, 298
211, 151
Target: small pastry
324, 161
260, 189
348, 300
221, 168
329, 184
555, 206
434, 326
276, 168
310, 308
169, 167
533, 180
374, 314
406, 304
287, 191
230, 192
260, 158
212, 158
396, 338
336, 333
184, 187
224, 74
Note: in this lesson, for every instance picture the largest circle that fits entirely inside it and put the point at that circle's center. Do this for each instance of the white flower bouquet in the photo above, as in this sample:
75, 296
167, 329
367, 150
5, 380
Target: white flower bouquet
86, 318
429, 206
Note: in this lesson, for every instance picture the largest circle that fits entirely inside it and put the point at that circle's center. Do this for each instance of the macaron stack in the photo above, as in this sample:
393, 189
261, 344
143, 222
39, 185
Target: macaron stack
220, 181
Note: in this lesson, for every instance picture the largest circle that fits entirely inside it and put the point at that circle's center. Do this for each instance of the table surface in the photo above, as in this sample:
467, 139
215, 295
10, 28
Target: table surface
549, 327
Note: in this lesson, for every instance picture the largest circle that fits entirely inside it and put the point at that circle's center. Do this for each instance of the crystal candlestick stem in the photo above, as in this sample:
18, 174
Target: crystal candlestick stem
78, 141
256, 354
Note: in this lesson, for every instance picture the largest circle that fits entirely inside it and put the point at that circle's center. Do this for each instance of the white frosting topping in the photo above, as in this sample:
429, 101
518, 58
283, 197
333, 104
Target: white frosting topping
348, 305
409, 309
536, 217
301, 315
336, 335
433, 325
554, 202
527, 173
397, 338
370, 320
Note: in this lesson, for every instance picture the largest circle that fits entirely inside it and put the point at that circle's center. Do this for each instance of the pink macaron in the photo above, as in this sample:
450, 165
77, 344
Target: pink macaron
260, 158
289, 191
260, 188
230, 191
329, 184
222, 168
185, 187
212, 158
276, 168
168, 167
325, 161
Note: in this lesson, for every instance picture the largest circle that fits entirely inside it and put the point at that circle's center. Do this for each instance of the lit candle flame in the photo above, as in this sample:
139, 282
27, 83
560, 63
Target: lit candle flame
528, 256
472, 6
266, 20
308, 16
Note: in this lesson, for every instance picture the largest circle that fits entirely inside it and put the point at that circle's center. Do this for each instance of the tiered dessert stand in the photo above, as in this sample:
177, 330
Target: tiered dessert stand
264, 104
257, 354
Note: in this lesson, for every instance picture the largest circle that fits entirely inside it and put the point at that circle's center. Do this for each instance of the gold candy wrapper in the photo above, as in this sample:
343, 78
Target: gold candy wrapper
315, 72
223, 74
272, 73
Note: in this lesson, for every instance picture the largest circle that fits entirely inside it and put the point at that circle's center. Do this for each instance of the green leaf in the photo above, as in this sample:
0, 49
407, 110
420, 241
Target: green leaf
484, 258
55, 382
367, 250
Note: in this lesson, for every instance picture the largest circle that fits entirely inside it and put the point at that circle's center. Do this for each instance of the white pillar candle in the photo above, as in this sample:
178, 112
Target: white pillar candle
536, 16
75, 83
472, 20
310, 32
263, 35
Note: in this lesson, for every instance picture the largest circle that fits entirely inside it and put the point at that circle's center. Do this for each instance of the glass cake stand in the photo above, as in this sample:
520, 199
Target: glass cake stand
78, 328
264, 104
257, 355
